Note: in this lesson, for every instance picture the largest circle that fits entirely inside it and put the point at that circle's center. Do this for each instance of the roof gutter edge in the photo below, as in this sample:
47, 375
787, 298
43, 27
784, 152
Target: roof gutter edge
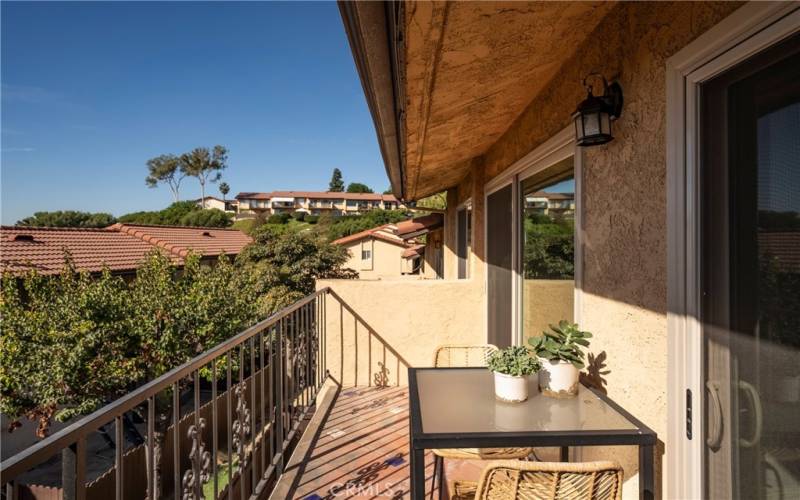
374, 31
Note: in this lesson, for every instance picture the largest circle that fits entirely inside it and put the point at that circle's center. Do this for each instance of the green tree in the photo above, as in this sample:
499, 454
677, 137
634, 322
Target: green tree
437, 201
170, 216
388, 190
210, 217
68, 218
164, 170
224, 189
204, 164
72, 343
357, 187
335, 228
286, 264
337, 183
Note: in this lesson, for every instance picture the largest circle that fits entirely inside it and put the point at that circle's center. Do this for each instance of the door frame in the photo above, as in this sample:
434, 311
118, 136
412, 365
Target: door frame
558, 147
749, 30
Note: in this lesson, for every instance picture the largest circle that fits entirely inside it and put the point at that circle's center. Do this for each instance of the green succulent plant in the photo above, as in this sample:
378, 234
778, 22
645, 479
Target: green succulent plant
516, 361
564, 342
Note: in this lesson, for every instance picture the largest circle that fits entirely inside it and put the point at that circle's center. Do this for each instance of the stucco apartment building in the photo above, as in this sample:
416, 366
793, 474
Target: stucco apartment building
411, 248
251, 204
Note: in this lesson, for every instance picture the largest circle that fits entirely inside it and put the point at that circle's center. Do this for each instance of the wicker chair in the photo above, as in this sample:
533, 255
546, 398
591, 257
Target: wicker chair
510, 479
467, 355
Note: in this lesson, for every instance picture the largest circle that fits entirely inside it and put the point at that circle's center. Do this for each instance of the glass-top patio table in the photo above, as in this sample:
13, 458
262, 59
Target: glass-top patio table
456, 408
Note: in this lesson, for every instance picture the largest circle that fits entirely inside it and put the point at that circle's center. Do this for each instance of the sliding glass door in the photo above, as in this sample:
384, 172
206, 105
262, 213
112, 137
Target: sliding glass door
750, 261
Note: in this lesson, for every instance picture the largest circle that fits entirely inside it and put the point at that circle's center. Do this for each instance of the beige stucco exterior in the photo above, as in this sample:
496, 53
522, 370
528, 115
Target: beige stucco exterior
411, 317
459, 97
386, 259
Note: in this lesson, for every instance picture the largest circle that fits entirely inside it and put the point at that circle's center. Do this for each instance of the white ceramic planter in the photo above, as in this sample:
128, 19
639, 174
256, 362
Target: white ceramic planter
509, 388
558, 379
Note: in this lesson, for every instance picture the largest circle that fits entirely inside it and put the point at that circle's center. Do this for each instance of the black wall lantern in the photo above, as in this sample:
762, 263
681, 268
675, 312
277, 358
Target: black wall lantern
594, 115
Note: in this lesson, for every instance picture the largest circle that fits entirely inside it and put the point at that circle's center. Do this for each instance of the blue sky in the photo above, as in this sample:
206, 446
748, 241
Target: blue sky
90, 91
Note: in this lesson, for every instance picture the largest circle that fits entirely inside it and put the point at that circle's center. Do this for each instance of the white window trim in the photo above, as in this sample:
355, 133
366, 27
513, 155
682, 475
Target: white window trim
559, 147
749, 30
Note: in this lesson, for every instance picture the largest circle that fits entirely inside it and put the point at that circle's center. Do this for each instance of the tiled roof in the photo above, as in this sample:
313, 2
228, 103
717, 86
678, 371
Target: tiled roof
180, 240
43, 249
383, 233
120, 248
783, 246
320, 195
419, 225
413, 251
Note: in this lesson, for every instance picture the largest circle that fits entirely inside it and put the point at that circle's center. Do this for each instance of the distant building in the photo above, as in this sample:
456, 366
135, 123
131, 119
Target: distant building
121, 247
394, 250
545, 203
250, 204
218, 203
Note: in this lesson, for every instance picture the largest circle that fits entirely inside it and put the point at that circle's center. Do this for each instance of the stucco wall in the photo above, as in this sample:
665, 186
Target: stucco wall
624, 197
410, 316
387, 260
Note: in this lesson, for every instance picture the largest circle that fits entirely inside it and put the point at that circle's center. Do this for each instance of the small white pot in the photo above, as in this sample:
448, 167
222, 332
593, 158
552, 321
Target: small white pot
558, 379
509, 388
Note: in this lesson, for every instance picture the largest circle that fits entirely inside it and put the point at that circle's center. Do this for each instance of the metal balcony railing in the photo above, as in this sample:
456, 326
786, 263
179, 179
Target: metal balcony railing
228, 416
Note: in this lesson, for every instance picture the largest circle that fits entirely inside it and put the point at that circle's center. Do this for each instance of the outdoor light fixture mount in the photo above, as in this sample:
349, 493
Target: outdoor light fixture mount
594, 115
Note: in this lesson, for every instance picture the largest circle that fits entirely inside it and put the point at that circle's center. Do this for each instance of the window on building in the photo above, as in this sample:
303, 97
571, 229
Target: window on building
464, 240
547, 242
366, 254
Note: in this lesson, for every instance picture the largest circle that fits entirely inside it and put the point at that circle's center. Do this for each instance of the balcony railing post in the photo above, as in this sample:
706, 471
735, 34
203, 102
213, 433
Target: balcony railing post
73, 471
279, 400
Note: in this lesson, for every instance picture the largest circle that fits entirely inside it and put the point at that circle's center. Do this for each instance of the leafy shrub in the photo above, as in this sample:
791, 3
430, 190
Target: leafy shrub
564, 342
209, 217
282, 218
299, 216
286, 265
68, 218
351, 224
170, 216
312, 219
516, 361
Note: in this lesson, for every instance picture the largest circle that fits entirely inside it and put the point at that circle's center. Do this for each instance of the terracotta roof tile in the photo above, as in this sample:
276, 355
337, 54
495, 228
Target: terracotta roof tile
419, 225
121, 247
43, 249
783, 246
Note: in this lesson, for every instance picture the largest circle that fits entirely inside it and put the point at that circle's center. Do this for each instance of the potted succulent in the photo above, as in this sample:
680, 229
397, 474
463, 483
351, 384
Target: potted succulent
561, 352
512, 368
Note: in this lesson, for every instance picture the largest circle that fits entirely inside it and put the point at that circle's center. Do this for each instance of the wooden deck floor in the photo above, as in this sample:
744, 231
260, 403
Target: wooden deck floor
356, 446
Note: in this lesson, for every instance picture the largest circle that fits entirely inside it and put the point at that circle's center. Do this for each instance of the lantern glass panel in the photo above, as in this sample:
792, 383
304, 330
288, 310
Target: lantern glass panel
605, 123
591, 124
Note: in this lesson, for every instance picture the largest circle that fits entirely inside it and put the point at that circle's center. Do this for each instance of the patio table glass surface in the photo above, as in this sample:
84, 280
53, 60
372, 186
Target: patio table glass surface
462, 400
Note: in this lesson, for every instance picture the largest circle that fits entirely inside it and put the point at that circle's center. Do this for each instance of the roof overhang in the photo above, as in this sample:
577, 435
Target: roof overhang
417, 227
373, 30
446, 80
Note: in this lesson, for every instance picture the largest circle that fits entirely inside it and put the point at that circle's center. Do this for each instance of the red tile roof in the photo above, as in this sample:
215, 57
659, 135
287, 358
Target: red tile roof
43, 249
419, 225
323, 195
120, 248
179, 240
783, 246
383, 233
414, 251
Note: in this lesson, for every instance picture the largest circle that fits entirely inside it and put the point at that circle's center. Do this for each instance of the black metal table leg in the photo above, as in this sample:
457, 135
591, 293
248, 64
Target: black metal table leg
565, 454
646, 472
417, 473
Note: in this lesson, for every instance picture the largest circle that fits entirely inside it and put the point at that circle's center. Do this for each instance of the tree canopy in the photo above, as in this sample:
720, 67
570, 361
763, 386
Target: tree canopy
68, 218
357, 187
181, 213
224, 189
205, 165
337, 183
339, 227
164, 170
